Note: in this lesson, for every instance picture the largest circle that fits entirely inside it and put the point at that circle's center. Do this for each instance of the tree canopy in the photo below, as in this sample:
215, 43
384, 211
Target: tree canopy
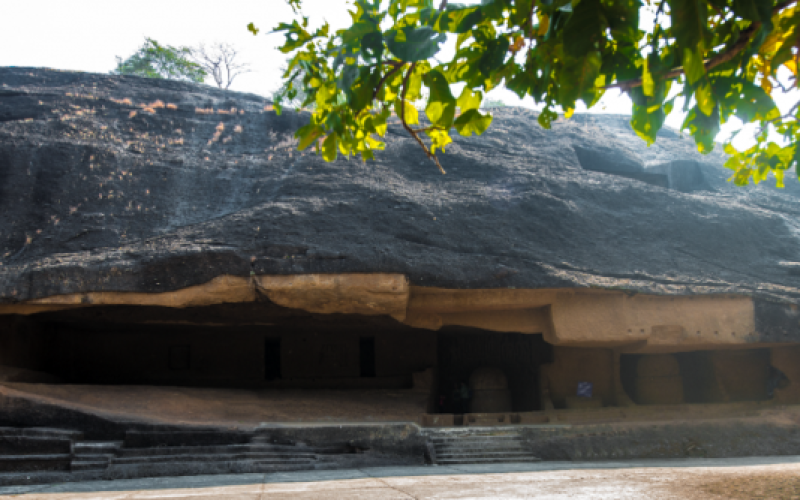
722, 57
154, 60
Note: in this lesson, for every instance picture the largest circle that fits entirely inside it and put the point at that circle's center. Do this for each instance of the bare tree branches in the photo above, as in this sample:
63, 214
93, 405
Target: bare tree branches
219, 61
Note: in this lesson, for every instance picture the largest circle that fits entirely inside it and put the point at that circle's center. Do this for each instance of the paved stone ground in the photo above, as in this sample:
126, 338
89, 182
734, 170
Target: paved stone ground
744, 478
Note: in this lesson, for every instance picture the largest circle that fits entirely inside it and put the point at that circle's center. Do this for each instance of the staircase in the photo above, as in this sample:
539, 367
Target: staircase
94, 455
255, 456
184, 451
474, 446
36, 449
143, 454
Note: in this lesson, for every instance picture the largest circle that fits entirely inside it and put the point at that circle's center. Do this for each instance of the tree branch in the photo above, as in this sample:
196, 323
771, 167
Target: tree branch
397, 65
219, 62
744, 38
410, 130
530, 20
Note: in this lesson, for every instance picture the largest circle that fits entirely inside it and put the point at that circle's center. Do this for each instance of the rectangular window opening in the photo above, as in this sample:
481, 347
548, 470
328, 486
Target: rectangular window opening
366, 350
272, 359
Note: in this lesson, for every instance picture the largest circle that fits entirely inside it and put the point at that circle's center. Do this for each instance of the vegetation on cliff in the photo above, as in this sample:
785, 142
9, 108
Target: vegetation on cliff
720, 58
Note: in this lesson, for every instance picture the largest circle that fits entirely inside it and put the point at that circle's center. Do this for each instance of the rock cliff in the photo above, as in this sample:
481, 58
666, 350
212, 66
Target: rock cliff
114, 183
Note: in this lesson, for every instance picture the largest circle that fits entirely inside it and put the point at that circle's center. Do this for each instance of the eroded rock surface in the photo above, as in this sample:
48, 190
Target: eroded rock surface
124, 184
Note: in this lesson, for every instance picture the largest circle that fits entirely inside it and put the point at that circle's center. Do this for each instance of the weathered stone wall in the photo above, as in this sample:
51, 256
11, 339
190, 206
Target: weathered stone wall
572, 365
122, 184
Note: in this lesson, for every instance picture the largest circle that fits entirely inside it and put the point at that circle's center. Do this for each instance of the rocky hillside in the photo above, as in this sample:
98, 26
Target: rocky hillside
128, 184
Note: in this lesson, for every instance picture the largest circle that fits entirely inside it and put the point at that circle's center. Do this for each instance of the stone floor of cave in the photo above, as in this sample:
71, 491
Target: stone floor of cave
246, 407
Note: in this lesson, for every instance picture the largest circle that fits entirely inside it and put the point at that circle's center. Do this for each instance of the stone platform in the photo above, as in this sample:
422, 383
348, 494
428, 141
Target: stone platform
44, 439
245, 408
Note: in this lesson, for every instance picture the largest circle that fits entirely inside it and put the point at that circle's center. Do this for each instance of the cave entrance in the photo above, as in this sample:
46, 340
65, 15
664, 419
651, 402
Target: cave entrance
468, 354
700, 377
249, 362
262, 362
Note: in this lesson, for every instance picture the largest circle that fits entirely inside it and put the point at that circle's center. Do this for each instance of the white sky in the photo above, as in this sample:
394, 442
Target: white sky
87, 35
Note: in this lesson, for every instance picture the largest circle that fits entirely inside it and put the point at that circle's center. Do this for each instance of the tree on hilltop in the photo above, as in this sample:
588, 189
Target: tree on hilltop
154, 60
721, 57
219, 61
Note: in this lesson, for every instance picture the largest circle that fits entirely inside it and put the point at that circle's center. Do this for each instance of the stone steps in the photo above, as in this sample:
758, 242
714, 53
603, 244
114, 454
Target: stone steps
478, 447
41, 432
148, 454
87, 465
478, 461
330, 449
483, 454
94, 455
32, 463
214, 457
232, 448
475, 440
92, 447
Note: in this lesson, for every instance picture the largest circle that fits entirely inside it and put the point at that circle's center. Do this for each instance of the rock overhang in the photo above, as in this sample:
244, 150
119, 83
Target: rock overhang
122, 184
629, 323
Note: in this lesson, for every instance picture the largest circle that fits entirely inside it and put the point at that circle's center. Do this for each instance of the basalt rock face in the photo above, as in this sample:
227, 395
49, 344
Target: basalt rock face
112, 183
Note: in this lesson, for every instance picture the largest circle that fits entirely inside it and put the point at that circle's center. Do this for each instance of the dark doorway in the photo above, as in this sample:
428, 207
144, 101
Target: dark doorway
366, 350
711, 376
518, 355
180, 357
272, 359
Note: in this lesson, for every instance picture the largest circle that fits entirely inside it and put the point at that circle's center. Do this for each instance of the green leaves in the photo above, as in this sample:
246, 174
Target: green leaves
647, 122
472, 122
577, 79
648, 84
546, 117
406, 111
154, 60
705, 98
459, 19
329, 148
252, 29
414, 44
704, 128
745, 100
693, 64
689, 21
308, 135
583, 29
356, 32
493, 56
754, 10
439, 139
469, 100
724, 53
441, 108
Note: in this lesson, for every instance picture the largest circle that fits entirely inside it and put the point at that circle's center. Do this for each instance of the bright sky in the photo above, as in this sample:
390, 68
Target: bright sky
88, 35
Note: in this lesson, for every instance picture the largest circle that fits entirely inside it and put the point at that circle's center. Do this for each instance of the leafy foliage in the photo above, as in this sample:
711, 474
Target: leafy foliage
720, 56
154, 60
297, 84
